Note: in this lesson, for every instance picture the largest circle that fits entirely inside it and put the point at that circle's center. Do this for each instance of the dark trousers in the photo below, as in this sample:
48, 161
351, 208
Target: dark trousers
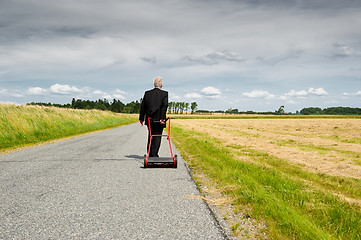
156, 129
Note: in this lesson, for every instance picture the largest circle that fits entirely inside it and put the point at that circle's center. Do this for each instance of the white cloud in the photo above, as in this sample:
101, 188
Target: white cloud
317, 91
358, 93
116, 94
98, 92
291, 102
119, 94
19, 95
259, 94
5, 92
193, 96
207, 92
304, 93
9, 102
294, 93
81, 93
64, 89
173, 97
101, 94
36, 91
108, 96
211, 92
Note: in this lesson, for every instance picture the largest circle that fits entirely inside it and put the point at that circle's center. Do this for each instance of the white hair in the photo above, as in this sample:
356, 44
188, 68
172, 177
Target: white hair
158, 82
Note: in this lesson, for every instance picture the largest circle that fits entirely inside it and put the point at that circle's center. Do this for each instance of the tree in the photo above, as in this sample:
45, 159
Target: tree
186, 107
194, 106
311, 111
73, 103
232, 111
170, 106
281, 110
174, 107
182, 107
177, 107
117, 106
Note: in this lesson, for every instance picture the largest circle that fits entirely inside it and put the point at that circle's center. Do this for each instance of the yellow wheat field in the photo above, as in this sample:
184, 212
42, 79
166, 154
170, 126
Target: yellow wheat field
328, 146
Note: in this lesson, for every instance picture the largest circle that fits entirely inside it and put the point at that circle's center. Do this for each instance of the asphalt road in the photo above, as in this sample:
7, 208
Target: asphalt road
95, 187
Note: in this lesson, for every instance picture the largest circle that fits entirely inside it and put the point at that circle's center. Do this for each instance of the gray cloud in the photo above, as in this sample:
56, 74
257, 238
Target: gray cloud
209, 43
216, 58
305, 4
293, 54
152, 60
343, 51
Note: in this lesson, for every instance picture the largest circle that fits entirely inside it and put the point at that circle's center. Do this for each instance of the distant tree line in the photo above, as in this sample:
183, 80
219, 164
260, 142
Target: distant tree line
119, 107
304, 111
331, 111
280, 111
181, 107
184, 107
101, 104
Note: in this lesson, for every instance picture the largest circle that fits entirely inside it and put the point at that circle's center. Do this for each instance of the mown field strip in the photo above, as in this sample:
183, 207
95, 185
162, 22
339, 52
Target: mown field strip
302, 158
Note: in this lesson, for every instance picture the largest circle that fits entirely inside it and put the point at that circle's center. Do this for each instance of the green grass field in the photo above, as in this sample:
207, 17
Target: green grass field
295, 203
24, 125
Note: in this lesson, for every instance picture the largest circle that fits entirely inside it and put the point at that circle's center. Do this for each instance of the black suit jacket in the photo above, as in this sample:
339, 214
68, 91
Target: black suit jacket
154, 105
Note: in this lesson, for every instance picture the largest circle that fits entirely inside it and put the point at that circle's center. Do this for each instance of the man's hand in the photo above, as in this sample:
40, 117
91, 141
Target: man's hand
141, 122
162, 121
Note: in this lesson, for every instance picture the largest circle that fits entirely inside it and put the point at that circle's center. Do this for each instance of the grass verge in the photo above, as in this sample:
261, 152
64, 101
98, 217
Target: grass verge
24, 125
292, 208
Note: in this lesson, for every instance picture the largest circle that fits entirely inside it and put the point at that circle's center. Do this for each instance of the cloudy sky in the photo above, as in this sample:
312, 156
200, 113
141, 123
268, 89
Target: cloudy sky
245, 54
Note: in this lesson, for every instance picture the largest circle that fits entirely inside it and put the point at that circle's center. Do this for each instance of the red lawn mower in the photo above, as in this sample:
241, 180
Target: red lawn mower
159, 161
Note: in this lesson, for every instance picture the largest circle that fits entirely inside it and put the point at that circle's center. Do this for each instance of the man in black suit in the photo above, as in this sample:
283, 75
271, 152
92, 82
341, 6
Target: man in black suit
154, 105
